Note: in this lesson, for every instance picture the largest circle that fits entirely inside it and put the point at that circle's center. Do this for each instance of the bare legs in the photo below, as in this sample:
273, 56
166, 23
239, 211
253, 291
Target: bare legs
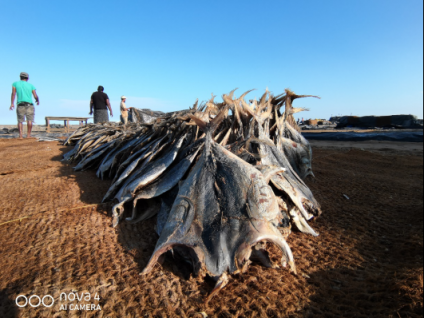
21, 130
29, 125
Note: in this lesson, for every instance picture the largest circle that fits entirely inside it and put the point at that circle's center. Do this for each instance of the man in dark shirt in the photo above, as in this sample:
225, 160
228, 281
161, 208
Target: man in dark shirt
99, 104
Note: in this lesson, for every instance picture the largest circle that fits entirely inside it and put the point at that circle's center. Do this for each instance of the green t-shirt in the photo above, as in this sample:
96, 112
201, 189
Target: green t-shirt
24, 91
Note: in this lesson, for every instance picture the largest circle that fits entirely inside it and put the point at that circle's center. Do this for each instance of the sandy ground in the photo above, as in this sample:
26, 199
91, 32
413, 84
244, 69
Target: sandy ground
368, 261
381, 147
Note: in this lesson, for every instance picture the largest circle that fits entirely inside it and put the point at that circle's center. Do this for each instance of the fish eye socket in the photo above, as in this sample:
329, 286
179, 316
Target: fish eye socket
182, 210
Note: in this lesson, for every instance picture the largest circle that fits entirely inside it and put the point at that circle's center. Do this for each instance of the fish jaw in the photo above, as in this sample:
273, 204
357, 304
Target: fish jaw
263, 231
301, 223
219, 219
222, 281
234, 242
239, 254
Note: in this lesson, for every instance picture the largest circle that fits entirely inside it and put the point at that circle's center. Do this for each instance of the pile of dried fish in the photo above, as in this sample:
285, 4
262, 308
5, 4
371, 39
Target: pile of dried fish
222, 179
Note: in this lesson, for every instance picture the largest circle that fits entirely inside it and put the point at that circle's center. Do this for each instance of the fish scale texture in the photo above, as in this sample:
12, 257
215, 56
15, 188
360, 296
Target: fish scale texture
367, 261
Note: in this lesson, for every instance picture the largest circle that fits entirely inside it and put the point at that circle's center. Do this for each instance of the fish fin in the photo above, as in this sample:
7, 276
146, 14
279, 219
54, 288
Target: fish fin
263, 98
298, 110
242, 96
227, 100
301, 223
248, 108
223, 281
304, 96
196, 104
232, 93
199, 122
265, 115
259, 141
212, 99
213, 125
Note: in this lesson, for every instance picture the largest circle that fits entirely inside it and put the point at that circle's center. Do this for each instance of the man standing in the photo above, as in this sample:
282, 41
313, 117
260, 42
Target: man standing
100, 104
124, 110
25, 108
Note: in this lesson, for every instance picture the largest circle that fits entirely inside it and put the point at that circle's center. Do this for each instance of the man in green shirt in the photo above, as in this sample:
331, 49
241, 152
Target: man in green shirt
25, 108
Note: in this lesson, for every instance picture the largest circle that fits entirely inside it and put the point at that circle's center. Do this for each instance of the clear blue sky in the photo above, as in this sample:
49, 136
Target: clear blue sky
361, 57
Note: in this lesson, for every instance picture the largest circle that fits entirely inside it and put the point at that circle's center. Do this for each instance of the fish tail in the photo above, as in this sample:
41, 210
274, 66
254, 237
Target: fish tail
209, 128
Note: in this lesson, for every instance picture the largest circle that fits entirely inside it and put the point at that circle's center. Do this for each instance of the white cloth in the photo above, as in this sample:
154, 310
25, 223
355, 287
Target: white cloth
124, 112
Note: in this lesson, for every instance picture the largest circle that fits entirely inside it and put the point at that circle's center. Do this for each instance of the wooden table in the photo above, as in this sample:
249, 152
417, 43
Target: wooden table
66, 120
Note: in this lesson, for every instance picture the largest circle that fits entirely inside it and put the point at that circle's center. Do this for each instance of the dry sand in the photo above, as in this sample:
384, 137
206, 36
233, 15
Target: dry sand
367, 262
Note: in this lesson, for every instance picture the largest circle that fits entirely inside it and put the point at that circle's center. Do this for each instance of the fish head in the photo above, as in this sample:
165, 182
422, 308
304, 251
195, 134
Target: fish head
261, 200
305, 168
223, 209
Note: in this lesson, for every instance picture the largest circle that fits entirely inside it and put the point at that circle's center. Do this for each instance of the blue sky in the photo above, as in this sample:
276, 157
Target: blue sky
361, 57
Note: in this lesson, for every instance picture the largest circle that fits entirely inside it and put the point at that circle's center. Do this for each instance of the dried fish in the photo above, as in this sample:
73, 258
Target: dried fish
222, 178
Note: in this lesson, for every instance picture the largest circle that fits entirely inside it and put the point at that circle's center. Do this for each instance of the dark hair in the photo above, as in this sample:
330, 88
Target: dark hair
23, 78
100, 88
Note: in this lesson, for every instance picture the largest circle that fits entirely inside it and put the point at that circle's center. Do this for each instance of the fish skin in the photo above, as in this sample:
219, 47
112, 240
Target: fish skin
151, 172
144, 140
132, 162
189, 149
123, 142
289, 182
297, 182
290, 141
298, 156
145, 210
169, 179
125, 177
77, 133
219, 228
70, 155
109, 158
304, 151
149, 155
167, 202
88, 144
97, 140
94, 155
228, 207
154, 170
